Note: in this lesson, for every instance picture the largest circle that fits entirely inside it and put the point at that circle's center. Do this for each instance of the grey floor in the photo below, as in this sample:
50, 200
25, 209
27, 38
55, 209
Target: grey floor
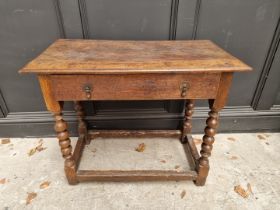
237, 159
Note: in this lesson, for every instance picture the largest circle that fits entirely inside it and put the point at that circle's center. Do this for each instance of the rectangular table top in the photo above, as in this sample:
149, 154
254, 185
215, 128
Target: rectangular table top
66, 56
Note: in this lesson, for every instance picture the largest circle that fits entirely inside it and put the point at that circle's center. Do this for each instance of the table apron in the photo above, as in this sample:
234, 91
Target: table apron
135, 86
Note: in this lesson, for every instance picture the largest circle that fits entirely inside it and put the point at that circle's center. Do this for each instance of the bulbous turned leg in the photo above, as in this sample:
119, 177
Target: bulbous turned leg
82, 126
66, 148
206, 147
187, 126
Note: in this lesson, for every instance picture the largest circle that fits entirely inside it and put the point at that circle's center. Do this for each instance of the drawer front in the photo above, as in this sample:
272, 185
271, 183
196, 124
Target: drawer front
135, 86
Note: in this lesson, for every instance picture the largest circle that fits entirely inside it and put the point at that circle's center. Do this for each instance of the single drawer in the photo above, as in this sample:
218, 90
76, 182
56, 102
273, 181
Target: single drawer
135, 86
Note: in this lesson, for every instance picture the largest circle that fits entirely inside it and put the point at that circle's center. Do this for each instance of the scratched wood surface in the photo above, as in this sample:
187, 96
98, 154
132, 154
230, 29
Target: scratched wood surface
134, 87
67, 56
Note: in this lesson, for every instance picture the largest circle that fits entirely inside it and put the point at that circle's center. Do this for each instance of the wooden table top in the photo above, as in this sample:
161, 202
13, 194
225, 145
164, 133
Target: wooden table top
76, 56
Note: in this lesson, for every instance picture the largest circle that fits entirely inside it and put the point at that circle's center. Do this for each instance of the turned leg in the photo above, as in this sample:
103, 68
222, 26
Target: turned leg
82, 126
187, 126
60, 127
66, 148
206, 147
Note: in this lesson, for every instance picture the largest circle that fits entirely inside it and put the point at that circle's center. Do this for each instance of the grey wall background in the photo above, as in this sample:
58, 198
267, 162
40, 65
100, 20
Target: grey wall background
248, 29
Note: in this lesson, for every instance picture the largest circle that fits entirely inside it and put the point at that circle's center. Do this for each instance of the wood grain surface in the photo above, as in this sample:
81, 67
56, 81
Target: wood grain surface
135, 175
134, 87
76, 56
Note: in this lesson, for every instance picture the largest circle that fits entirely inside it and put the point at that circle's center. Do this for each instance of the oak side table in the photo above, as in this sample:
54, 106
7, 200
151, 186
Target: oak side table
80, 70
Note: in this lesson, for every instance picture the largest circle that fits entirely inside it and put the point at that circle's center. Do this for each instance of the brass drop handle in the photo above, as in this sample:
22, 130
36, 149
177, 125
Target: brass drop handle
184, 87
87, 89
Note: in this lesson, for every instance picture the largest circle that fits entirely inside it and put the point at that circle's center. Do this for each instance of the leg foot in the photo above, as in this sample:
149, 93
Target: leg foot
70, 172
203, 173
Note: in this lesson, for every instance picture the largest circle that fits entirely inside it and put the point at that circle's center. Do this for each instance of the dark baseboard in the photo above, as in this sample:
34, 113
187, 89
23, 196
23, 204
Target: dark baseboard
232, 119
